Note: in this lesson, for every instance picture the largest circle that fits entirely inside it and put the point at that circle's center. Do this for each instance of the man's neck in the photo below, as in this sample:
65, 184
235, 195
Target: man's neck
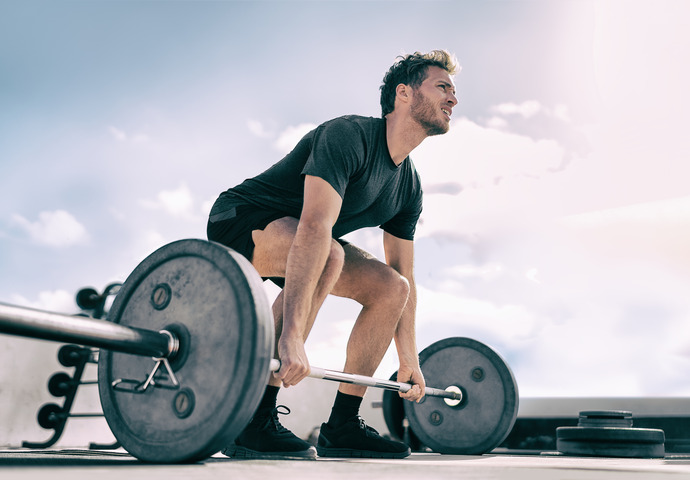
403, 135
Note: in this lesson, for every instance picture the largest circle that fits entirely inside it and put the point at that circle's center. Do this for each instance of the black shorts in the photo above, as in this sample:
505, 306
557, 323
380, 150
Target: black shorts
233, 228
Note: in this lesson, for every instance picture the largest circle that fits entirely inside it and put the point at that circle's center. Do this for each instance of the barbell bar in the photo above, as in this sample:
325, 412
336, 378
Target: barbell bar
29, 322
352, 378
58, 327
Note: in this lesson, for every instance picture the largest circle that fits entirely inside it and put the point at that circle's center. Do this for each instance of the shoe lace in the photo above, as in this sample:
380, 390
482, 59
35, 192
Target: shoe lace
271, 420
369, 430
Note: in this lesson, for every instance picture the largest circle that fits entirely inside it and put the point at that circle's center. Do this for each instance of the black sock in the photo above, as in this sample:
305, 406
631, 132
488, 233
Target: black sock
269, 400
345, 407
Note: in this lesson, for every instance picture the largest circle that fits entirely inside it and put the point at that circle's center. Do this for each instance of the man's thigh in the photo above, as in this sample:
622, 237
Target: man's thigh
272, 245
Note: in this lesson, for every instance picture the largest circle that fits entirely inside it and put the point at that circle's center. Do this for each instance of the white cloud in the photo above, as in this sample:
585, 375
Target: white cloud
54, 229
497, 123
526, 109
484, 272
207, 205
291, 135
676, 210
178, 202
653, 232
475, 156
257, 128
117, 134
456, 312
287, 139
117, 214
488, 179
122, 136
561, 112
532, 275
51, 301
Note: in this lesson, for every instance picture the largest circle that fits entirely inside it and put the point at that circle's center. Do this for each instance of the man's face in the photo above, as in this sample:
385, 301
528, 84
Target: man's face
433, 102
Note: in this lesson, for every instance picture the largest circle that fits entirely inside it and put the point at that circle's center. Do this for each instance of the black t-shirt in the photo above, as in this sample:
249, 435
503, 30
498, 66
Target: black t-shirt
351, 154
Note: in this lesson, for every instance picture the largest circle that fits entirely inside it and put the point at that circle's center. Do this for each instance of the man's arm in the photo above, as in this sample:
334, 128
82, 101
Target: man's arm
400, 256
305, 264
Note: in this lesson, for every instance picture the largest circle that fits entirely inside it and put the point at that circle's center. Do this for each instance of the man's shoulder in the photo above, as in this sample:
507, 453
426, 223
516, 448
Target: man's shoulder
347, 129
354, 121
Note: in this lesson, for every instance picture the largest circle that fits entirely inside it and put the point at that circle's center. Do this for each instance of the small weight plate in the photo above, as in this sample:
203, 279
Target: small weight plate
50, 416
73, 355
88, 298
216, 298
60, 384
611, 442
489, 407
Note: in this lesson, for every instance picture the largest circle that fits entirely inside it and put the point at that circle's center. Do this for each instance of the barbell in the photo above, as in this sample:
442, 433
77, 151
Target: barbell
187, 351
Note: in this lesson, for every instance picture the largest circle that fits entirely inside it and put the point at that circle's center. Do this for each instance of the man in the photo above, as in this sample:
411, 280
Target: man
348, 173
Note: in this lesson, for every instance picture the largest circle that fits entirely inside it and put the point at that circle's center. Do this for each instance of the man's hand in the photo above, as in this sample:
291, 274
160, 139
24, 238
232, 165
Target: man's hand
294, 365
413, 375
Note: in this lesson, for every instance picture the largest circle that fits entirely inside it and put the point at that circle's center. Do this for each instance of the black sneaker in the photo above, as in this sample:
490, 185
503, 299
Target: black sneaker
265, 437
356, 439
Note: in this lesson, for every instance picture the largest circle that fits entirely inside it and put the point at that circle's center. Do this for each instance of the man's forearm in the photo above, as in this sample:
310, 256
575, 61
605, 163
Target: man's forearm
305, 264
405, 334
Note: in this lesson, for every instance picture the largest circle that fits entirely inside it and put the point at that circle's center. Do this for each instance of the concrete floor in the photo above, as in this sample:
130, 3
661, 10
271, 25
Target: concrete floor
82, 464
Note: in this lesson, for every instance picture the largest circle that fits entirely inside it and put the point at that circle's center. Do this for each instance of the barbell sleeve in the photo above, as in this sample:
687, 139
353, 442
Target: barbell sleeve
30, 322
342, 377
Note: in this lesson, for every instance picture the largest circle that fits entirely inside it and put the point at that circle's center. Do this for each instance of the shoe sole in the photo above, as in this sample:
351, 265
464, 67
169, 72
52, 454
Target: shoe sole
352, 453
238, 452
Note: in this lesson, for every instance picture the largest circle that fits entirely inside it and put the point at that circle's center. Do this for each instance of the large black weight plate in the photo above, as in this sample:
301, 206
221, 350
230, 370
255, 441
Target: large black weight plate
609, 433
611, 442
489, 407
217, 297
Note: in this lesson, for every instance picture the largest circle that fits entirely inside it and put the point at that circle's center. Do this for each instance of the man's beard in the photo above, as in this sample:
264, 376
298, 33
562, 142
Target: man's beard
427, 116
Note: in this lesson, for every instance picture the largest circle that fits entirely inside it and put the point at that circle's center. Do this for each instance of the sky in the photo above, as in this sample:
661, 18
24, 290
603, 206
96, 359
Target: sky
557, 209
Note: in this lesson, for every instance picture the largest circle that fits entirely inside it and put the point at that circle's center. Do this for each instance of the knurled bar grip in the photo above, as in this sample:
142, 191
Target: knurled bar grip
29, 322
342, 377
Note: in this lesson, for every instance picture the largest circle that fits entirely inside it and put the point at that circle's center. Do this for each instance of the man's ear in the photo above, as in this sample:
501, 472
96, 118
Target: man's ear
402, 92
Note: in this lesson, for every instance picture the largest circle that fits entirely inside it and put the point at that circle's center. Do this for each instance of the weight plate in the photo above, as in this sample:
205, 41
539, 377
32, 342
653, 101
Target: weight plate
60, 384
50, 416
605, 418
214, 300
88, 298
73, 355
611, 442
489, 407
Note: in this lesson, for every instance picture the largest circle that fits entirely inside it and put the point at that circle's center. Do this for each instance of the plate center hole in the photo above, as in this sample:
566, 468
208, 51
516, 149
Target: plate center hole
449, 401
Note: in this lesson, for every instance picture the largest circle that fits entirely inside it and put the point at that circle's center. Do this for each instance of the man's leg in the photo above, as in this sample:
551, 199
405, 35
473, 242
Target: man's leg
265, 437
270, 258
383, 294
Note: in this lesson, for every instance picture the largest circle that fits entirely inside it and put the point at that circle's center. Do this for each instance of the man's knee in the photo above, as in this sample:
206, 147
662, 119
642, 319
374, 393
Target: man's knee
399, 286
386, 286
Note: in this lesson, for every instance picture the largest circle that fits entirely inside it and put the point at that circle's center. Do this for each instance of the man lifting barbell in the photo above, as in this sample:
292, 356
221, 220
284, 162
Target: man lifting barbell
349, 173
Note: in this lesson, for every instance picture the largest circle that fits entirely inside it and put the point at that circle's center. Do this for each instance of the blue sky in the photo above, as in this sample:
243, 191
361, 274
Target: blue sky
556, 210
